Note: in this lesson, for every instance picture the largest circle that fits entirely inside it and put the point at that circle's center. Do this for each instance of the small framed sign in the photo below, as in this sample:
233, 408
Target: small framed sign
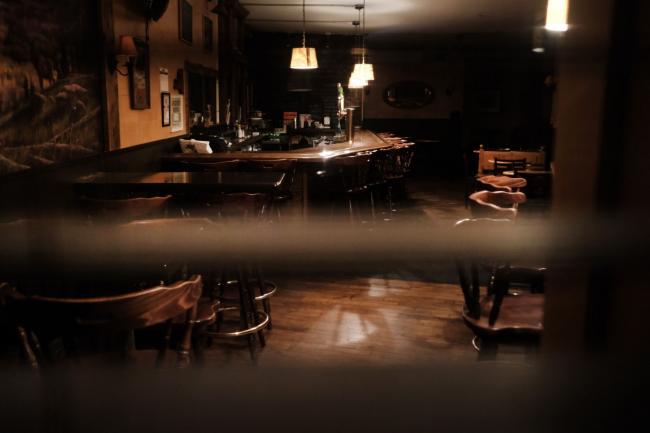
177, 123
165, 104
139, 76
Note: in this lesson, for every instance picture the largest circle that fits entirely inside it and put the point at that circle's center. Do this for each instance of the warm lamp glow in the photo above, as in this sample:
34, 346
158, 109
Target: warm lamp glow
365, 71
356, 81
557, 12
304, 58
126, 47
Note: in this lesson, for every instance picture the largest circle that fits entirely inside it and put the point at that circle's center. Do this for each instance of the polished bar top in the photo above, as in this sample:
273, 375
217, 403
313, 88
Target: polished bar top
363, 141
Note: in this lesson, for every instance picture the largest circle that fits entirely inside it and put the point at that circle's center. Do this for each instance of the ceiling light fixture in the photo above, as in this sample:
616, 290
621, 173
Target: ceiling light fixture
363, 69
557, 12
356, 80
304, 57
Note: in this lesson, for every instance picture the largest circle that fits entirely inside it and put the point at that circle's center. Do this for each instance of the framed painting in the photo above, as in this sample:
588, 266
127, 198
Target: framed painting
52, 107
165, 106
139, 77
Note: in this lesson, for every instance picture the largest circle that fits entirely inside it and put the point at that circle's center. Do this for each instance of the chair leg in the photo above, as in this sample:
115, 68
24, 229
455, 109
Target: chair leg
390, 199
186, 341
165, 343
350, 210
244, 313
250, 299
198, 343
30, 357
266, 303
487, 349
35, 344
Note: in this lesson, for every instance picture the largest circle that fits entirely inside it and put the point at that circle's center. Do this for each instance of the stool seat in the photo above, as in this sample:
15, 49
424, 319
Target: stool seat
497, 204
503, 183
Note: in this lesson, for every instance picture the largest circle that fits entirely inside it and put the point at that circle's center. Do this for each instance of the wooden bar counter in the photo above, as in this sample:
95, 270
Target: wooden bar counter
310, 160
363, 141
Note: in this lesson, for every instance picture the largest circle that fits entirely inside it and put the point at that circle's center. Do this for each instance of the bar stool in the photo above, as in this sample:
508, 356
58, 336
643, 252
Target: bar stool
284, 192
353, 177
377, 182
246, 277
397, 168
201, 204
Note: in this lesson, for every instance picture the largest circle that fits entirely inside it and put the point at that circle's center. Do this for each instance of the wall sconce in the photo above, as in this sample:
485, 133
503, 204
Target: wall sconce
124, 54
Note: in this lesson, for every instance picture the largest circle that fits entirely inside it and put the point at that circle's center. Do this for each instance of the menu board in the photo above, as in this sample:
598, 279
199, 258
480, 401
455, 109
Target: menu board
177, 113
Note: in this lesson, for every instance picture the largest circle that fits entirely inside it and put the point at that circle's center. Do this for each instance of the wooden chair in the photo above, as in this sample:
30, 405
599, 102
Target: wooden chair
353, 177
509, 167
499, 315
43, 317
496, 204
154, 236
398, 168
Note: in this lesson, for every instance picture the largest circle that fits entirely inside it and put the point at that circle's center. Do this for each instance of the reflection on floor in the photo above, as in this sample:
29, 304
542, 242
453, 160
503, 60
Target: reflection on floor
402, 316
382, 320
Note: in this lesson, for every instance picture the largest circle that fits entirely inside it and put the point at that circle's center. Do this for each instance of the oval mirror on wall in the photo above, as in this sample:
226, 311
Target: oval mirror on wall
408, 94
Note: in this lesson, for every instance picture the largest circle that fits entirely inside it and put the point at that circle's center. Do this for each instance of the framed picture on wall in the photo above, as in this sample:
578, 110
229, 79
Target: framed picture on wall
177, 113
139, 77
185, 21
165, 105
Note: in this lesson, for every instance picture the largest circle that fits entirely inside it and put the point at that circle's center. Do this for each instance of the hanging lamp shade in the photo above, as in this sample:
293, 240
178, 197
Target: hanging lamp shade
356, 81
365, 71
557, 12
304, 58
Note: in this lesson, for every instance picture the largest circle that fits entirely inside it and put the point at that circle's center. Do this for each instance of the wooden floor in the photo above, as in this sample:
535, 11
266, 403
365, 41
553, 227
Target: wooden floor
379, 320
401, 317
405, 315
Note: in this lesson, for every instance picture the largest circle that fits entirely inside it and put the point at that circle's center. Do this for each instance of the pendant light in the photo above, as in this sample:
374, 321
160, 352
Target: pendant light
557, 12
304, 57
363, 69
356, 80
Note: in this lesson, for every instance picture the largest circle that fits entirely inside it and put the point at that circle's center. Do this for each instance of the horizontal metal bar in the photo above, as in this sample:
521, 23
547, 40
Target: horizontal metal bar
350, 5
296, 21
